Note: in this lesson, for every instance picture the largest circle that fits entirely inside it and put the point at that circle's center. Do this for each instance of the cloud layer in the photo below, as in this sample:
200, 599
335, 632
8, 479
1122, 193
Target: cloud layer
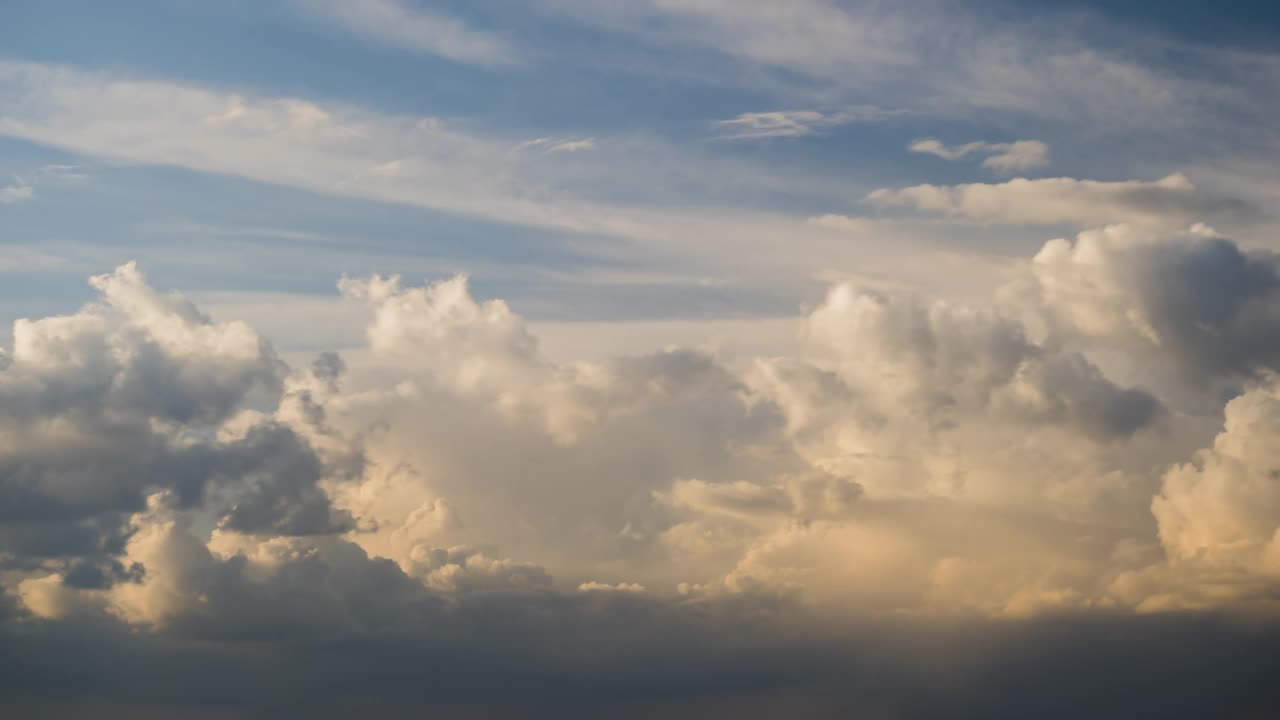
1169, 201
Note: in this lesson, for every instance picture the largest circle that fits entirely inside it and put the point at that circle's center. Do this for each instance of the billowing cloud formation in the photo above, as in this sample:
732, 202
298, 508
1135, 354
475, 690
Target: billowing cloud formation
483, 350
1221, 509
1002, 157
140, 394
941, 356
908, 458
1194, 300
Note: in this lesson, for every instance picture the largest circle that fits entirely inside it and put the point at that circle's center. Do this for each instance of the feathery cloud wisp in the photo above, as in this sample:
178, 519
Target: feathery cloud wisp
1007, 157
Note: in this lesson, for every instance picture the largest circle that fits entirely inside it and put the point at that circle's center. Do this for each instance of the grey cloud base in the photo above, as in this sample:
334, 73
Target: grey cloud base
1179, 666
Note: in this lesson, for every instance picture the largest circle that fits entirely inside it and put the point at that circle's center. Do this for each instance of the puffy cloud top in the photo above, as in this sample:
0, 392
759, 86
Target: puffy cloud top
1192, 299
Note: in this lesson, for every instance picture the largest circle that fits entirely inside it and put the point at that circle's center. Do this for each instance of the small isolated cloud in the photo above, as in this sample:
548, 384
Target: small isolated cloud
1001, 157
791, 123
16, 193
20, 189
1020, 155
559, 145
397, 24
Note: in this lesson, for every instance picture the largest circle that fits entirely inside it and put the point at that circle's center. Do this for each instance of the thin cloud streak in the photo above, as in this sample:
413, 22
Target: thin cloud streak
793, 123
398, 24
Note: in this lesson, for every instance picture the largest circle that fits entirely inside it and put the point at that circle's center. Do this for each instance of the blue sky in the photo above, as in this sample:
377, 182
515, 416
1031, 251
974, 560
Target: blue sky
598, 169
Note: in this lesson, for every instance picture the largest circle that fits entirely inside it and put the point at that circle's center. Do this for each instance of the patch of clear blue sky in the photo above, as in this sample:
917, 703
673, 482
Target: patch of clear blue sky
575, 81
1223, 22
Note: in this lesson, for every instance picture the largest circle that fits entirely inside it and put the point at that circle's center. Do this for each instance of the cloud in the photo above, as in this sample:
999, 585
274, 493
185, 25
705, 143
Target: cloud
1019, 155
1190, 299
1050, 201
18, 192
401, 25
483, 350
559, 145
21, 190
62, 172
943, 356
1222, 510
330, 149
878, 374
463, 569
136, 354
607, 588
134, 395
1008, 157
713, 257
889, 410
791, 123
479, 349
888, 403
907, 460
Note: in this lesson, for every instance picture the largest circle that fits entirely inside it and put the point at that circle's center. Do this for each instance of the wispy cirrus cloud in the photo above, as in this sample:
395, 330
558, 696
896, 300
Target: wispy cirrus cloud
891, 51
65, 173
792, 123
1001, 157
16, 192
422, 162
559, 145
401, 25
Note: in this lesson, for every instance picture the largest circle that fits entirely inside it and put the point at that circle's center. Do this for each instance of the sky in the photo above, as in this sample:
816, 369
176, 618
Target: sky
634, 358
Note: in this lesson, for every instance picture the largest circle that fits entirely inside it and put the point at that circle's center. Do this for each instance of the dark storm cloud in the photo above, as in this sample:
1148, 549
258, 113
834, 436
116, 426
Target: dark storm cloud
75, 500
88, 575
274, 474
1218, 306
